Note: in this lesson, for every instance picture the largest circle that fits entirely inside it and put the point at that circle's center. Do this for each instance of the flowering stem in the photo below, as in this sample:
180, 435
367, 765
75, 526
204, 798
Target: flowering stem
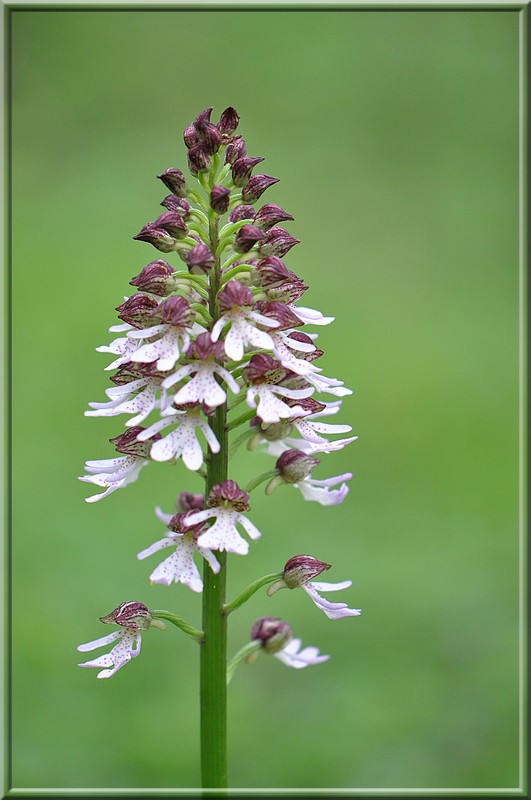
250, 590
178, 622
213, 673
243, 653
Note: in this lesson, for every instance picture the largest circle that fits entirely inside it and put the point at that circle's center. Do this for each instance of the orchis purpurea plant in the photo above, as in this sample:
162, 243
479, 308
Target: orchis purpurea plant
218, 330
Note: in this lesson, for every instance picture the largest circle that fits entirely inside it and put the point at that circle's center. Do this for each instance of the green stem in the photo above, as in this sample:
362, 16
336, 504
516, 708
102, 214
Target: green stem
264, 476
240, 440
250, 590
213, 671
178, 622
245, 417
241, 655
236, 271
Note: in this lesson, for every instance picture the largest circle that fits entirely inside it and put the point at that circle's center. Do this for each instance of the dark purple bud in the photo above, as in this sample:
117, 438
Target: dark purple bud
301, 569
272, 632
308, 404
228, 122
270, 215
235, 294
158, 237
235, 150
175, 181
172, 222
210, 136
263, 368
279, 312
242, 168
219, 199
191, 136
126, 442
228, 493
199, 259
188, 501
246, 238
137, 310
288, 292
176, 310
203, 347
203, 117
199, 159
177, 524
271, 271
133, 370
241, 212
277, 242
132, 615
155, 278
256, 186
295, 465
312, 355
178, 204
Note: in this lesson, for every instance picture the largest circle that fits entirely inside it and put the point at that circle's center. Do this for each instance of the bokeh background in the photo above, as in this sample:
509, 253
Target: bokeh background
395, 135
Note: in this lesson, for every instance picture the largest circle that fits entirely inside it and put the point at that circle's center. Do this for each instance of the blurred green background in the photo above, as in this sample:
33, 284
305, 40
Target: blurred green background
395, 137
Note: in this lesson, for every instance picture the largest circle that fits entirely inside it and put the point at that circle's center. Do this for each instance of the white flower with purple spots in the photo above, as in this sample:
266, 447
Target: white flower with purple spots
293, 656
182, 441
275, 637
225, 504
298, 573
169, 338
203, 386
115, 473
134, 618
236, 302
122, 346
180, 567
265, 392
295, 466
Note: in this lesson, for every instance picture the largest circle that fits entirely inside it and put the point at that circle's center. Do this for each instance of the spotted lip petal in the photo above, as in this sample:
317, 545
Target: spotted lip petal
293, 656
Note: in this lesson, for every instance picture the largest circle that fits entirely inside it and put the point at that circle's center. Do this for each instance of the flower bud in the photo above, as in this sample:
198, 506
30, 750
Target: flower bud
272, 632
127, 443
288, 292
203, 347
188, 501
263, 368
273, 432
235, 150
246, 238
178, 204
172, 222
137, 310
235, 294
256, 186
241, 212
199, 159
270, 215
158, 237
199, 259
210, 136
132, 615
271, 271
191, 136
295, 465
301, 569
175, 181
277, 242
228, 122
219, 199
176, 310
279, 312
242, 168
228, 493
155, 278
